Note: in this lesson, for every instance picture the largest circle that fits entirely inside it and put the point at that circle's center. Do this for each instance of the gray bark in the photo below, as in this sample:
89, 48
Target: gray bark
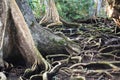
3, 21
45, 40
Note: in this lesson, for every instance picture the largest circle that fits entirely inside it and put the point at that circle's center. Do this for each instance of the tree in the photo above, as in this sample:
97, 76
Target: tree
24, 42
51, 17
24, 38
113, 10
98, 4
3, 24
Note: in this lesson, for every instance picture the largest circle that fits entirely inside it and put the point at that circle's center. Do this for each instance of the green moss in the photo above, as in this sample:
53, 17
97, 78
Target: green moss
58, 42
61, 42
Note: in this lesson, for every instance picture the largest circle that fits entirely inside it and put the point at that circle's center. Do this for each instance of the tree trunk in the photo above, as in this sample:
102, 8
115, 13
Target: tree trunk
24, 40
46, 41
51, 17
3, 22
113, 10
19, 41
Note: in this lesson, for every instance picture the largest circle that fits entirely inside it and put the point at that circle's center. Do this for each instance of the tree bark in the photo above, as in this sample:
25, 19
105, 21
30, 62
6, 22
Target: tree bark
113, 10
46, 41
24, 40
21, 40
3, 22
51, 17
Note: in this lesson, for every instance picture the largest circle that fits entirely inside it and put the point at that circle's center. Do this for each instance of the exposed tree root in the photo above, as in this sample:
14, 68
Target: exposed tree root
94, 55
69, 24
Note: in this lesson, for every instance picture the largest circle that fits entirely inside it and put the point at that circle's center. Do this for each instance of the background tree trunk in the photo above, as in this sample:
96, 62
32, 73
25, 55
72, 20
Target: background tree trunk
51, 17
113, 10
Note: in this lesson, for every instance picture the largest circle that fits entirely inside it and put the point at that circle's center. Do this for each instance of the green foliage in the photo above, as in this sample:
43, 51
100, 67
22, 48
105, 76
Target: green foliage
73, 9
68, 9
37, 7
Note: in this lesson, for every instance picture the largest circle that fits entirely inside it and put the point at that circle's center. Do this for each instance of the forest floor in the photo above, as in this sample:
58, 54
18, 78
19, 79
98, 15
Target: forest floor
99, 57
